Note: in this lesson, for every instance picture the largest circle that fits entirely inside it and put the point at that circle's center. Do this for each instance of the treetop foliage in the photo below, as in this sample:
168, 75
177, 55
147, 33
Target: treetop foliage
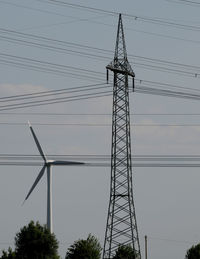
8, 255
33, 242
193, 252
85, 249
125, 252
36, 242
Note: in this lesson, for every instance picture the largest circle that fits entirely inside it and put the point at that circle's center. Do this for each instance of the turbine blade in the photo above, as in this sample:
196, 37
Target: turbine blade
36, 181
37, 143
66, 163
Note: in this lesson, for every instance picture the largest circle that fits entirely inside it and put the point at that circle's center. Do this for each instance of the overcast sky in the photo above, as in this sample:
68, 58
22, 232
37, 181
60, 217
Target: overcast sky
166, 199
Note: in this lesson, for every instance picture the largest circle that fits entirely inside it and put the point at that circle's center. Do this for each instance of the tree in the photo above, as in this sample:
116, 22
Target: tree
193, 252
36, 242
125, 252
8, 255
85, 249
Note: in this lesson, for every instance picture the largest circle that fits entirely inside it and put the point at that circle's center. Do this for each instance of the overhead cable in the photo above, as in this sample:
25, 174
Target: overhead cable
138, 89
140, 165
96, 53
93, 114
72, 45
153, 20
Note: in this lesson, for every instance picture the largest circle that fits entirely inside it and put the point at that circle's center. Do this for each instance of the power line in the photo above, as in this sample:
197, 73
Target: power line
185, 2
72, 44
143, 85
75, 20
182, 161
166, 36
39, 68
170, 240
162, 65
36, 9
91, 9
94, 114
154, 34
31, 60
47, 102
153, 20
157, 21
52, 48
138, 165
157, 159
139, 157
168, 93
140, 89
102, 124
145, 32
34, 63
54, 92
95, 56
51, 93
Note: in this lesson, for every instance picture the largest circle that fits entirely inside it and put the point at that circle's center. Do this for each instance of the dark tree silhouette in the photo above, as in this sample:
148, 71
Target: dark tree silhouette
193, 252
125, 252
85, 249
36, 242
8, 255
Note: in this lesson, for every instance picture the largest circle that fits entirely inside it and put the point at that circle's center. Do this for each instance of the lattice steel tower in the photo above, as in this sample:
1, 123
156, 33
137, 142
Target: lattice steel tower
121, 226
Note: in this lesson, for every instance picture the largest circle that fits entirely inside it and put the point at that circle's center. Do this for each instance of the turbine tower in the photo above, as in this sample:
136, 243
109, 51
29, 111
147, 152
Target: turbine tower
121, 226
47, 165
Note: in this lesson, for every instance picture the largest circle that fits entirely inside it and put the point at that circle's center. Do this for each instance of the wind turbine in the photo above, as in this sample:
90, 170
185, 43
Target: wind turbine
47, 165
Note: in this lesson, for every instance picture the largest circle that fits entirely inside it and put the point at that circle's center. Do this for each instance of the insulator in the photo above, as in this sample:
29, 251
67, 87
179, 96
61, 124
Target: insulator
133, 84
107, 76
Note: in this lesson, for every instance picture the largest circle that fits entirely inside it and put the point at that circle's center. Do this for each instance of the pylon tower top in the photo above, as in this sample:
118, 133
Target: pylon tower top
120, 63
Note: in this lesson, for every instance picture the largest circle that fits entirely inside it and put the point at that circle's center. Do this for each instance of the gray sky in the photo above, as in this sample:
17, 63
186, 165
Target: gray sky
166, 199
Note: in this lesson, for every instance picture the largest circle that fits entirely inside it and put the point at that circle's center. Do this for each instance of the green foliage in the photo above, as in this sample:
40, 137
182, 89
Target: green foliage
125, 252
193, 252
36, 242
8, 255
85, 249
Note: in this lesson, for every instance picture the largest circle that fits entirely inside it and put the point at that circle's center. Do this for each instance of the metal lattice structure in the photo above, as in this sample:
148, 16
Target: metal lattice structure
121, 226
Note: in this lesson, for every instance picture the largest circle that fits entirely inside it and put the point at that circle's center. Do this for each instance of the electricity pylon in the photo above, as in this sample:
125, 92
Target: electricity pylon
121, 226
